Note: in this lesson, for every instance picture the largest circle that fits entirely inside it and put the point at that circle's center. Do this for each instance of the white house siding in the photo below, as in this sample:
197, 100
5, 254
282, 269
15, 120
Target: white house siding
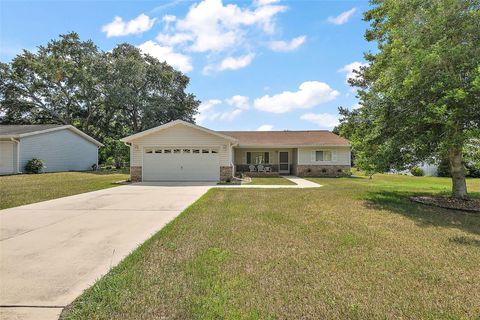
180, 136
340, 156
8, 157
61, 150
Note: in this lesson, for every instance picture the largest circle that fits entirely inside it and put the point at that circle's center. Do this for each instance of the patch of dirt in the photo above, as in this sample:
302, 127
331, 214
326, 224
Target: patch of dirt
472, 205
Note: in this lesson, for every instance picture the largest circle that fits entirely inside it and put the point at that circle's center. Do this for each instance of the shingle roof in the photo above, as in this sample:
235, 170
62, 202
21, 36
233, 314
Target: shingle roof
15, 130
287, 138
20, 131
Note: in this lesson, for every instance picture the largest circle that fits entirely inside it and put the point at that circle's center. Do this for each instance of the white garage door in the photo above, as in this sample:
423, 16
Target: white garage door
6, 158
181, 164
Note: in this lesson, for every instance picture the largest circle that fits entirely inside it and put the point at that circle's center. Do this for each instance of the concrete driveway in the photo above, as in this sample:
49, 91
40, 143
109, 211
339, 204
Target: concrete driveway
51, 251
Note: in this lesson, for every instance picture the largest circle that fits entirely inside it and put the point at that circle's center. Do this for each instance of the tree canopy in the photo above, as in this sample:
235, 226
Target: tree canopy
108, 95
420, 92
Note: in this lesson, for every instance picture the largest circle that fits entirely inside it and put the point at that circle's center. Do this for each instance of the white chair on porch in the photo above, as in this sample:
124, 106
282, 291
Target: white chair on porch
252, 168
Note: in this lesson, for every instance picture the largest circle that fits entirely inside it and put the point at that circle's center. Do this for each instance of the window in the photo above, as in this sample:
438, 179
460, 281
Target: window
258, 157
214, 151
177, 150
167, 151
323, 155
205, 151
158, 150
186, 150
196, 150
148, 150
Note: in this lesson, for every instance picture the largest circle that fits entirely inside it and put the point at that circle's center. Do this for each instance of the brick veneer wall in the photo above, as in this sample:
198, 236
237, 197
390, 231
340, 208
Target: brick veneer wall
226, 173
136, 173
322, 170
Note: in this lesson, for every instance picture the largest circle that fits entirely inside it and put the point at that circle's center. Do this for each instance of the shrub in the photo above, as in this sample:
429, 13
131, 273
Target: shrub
34, 166
443, 169
417, 171
473, 170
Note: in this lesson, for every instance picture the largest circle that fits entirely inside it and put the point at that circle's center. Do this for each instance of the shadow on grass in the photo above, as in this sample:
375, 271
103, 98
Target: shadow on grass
467, 241
425, 215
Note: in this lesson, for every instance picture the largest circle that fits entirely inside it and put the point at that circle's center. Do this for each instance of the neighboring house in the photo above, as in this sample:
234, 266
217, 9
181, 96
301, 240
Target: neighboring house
180, 150
61, 147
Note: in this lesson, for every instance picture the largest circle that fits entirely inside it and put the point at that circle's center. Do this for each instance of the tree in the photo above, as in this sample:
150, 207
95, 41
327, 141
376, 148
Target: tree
420, 92
54, 85
108, 95
146, 91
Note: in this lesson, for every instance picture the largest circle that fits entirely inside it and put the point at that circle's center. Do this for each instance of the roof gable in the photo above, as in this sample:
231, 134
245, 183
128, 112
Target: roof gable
175, 123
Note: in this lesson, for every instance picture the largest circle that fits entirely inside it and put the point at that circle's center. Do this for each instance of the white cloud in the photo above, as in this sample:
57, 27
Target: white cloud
226, 115
177, 60
169, 18
205, 109
172, 40
265, 2
231, 63
241, 102
349, 68
342, 17
214, 26
118, 27
356, 106
323, 120
284, 46
208, 110
265, 127
310, 94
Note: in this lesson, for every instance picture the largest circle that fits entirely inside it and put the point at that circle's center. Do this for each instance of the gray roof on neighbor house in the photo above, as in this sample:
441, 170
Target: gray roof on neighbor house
20, 131
15, 130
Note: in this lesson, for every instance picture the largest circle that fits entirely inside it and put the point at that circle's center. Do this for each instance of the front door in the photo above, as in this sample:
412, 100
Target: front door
283, 164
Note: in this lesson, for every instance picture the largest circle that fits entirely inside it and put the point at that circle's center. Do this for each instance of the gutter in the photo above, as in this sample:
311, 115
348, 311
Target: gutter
18, 152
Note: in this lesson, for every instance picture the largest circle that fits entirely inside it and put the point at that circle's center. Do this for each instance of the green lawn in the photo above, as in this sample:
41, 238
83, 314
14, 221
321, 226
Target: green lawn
17, 190
353, 249
270, 181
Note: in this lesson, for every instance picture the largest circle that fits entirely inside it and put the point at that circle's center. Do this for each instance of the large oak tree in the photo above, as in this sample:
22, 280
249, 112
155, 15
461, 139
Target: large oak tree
420, 93
106, 94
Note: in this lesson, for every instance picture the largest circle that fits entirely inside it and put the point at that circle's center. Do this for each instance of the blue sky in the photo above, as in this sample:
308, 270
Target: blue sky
261, 64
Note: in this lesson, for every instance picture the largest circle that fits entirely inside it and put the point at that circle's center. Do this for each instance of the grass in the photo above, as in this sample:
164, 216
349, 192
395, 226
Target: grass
270, 181
353, 249
17, 190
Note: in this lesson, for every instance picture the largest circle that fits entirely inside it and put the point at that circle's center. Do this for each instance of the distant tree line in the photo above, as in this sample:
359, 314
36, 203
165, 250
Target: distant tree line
108, 95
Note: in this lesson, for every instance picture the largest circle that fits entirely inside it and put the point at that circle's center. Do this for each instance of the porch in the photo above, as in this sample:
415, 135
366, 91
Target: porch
264, 162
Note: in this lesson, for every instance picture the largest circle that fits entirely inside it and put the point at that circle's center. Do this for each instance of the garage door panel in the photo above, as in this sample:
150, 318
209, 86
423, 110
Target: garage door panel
181, 166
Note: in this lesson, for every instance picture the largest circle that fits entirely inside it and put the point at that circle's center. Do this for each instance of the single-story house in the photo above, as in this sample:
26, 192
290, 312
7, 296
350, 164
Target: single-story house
181, 150
61, 147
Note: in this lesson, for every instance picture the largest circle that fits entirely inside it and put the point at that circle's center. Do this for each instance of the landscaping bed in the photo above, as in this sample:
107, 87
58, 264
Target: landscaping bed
472, 205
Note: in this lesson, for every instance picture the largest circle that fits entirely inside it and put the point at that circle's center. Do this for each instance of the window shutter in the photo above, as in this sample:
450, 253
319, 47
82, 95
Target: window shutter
313, 156
249, 158
267, 157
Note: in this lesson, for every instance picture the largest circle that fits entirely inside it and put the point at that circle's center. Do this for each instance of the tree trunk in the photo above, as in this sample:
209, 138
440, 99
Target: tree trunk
459, 184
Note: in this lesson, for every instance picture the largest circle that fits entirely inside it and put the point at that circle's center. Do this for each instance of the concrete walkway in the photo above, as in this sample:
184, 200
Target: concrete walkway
300, 183
53, 250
